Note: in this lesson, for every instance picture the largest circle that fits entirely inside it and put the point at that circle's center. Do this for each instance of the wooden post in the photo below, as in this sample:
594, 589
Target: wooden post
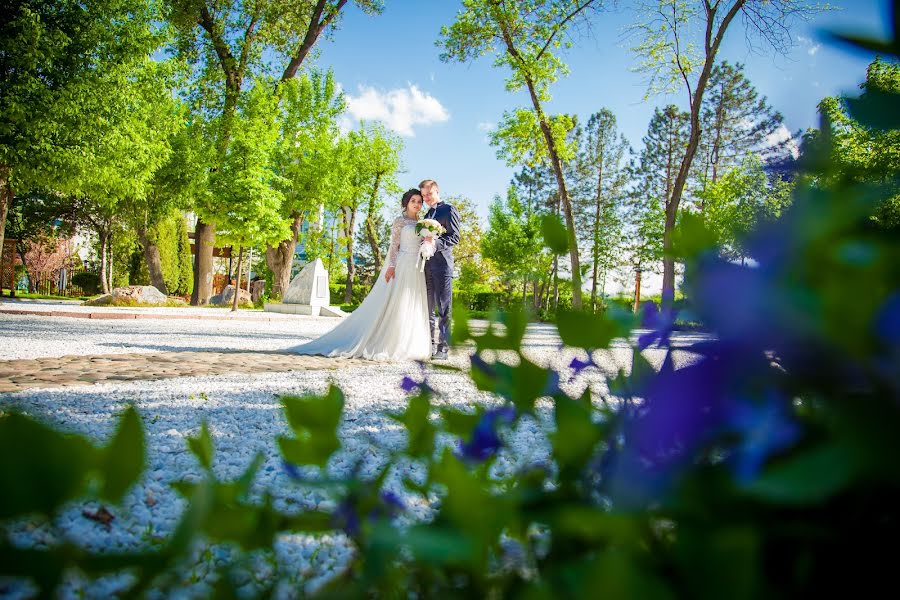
637, 289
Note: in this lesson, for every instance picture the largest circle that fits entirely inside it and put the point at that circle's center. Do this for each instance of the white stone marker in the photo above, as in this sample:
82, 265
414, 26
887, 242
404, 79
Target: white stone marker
308, 294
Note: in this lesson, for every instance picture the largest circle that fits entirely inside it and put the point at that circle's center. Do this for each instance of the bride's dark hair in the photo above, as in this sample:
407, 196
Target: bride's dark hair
408, 196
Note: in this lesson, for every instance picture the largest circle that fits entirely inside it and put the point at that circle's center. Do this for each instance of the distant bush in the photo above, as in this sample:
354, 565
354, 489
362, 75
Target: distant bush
87, 281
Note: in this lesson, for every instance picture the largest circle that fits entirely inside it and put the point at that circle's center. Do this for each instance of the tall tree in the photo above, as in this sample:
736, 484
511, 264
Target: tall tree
307, 159
735, 122
679, 44
859, 152
245, 181
54, 81
602, 177
653, 180
526, 32
232, 42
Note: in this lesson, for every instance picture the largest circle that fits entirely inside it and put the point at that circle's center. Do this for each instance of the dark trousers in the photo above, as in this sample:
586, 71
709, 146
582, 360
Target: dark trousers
439, 285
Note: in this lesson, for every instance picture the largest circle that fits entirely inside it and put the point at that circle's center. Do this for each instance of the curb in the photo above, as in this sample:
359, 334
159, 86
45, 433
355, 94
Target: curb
109, 315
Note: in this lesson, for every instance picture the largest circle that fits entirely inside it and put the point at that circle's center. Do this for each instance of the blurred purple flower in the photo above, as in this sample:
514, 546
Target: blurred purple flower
578, 366
485, 440
390, 506
480, 364
347, 514
660, 322
765, 429
292, 470
551, 388
887, 321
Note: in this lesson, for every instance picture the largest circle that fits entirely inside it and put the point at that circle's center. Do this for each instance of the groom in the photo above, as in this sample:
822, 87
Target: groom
439, 269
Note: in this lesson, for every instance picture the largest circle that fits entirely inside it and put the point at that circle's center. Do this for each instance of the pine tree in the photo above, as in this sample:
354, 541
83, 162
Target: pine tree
736, 122
599, 194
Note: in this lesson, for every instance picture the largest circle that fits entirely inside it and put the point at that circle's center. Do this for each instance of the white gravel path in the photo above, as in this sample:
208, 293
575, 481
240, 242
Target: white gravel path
244, 416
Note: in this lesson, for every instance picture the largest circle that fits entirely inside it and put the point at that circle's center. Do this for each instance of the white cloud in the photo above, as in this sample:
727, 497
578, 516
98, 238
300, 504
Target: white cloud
486, 126
811, 47
399, 109
783, 135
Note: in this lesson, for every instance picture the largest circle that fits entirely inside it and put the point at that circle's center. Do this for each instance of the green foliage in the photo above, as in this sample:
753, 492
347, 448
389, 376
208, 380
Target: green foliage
87, 281
314, 421
61, 467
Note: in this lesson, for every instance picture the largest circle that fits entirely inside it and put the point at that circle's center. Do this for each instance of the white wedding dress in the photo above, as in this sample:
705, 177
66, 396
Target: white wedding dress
392, 322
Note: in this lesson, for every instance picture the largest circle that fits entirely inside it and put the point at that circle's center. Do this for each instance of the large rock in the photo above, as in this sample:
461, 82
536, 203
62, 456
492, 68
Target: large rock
142, 294
226, 298
256, 289
308, 294
309, 287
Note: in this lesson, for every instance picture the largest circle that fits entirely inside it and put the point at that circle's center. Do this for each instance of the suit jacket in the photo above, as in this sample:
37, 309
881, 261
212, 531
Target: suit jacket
448, 217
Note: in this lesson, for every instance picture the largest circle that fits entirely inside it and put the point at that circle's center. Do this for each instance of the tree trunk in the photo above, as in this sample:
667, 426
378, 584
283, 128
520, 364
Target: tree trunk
237, 285
371, 233
349, 226
204, 239
712, 49
556, 163
104, 280
151, 256
6, 195
280, 258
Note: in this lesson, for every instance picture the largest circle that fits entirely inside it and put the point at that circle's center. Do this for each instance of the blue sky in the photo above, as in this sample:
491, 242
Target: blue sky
389, 68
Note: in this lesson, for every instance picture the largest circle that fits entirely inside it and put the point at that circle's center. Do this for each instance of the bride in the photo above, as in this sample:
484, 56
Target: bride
392, 322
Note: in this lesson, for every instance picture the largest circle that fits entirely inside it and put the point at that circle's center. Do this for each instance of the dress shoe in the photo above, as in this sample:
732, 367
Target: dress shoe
439, 355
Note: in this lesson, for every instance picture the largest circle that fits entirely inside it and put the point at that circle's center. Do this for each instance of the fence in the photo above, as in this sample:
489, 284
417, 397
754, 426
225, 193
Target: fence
60, 284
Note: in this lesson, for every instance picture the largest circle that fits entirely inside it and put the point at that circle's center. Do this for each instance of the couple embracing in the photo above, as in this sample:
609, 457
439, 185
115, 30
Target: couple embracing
406, 315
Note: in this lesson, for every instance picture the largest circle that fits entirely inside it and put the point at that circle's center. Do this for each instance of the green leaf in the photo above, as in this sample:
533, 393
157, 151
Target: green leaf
522, 384
459, 423
419, 430
202, 446
692, 237
314, 420
810, 477
125, 457
40, 468
576, 435
556, 236
592, 331
876, 109
460, 329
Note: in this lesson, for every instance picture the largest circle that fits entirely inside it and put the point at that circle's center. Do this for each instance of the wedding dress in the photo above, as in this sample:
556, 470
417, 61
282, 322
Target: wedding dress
392, 321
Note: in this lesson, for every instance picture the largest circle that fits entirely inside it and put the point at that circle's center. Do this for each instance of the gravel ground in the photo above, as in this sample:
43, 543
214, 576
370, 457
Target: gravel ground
244, 417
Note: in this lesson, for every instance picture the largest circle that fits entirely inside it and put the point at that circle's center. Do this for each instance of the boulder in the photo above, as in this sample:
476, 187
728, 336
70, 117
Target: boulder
227, 297
309, 287
141, 294
256, 289
99, 300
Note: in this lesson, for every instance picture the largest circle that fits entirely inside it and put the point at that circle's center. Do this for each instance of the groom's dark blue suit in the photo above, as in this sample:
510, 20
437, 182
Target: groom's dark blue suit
439, 273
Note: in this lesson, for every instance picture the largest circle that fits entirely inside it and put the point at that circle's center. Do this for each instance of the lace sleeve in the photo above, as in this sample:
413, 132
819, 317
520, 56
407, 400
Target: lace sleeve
394, 248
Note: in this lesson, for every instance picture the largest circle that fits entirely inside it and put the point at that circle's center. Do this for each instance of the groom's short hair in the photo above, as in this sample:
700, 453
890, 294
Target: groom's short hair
426, 182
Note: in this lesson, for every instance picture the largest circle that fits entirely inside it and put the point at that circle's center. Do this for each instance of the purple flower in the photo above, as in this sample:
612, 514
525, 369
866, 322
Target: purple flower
347, 514
485, 440
292, 470
408, 384
765, 428
660, 322
887, 321
480, 364
578, 366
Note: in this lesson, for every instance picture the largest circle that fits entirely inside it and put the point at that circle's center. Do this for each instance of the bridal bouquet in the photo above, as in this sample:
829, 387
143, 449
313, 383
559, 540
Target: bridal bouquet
428, 229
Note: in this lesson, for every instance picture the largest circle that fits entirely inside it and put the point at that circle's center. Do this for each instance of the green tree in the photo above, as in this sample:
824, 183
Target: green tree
678, 44
602, 177
232, 42
307, 158
513, 242
735, 122
525, 35
653, 177
55, 79
245, 183
860, 152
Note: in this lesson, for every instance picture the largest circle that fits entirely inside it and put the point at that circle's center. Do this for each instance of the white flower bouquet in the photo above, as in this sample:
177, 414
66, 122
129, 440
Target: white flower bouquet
428, 229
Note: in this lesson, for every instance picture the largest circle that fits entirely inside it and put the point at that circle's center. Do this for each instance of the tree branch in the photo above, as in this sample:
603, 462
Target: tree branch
317, 25
223, 52
560, 25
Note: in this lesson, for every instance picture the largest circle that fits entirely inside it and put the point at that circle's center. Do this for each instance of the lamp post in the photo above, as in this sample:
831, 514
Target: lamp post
637, 289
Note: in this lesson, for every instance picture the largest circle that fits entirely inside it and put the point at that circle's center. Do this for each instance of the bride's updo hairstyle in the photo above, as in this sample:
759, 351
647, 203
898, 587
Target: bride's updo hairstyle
407, 197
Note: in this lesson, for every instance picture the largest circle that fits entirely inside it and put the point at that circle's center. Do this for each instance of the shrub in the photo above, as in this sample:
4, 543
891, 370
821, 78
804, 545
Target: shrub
87, 281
